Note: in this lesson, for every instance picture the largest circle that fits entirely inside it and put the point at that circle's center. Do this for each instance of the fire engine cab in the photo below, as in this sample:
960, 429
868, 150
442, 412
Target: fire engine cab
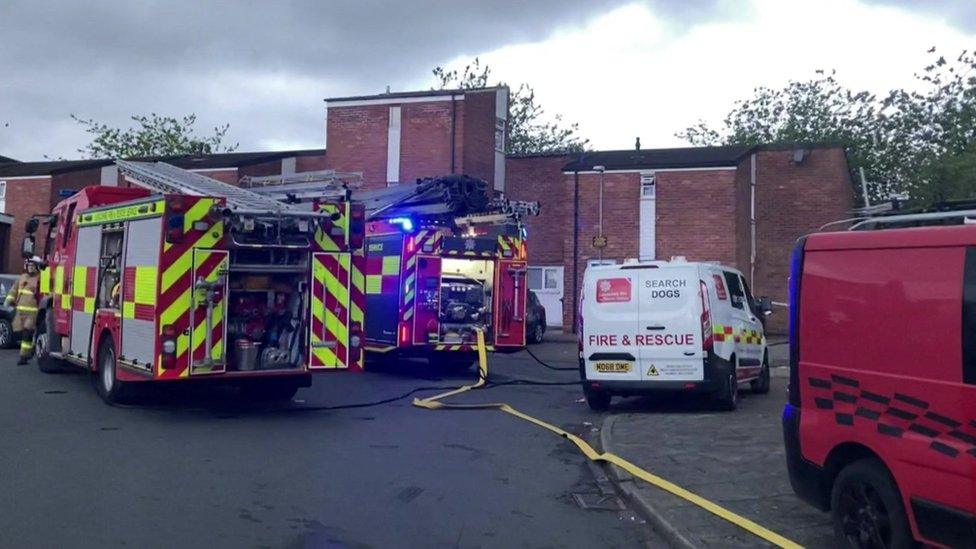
183, 277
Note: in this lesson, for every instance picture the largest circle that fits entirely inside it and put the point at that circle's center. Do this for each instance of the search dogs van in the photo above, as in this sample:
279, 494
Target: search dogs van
670, 326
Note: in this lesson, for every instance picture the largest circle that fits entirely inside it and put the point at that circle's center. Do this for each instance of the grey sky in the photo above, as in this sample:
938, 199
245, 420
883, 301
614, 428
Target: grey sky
262, 67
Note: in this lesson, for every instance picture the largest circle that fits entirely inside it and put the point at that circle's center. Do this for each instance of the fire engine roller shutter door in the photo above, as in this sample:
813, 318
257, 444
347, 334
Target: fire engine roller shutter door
329, 334
81, 286
210, 267
139, 292
383, 287
510, 295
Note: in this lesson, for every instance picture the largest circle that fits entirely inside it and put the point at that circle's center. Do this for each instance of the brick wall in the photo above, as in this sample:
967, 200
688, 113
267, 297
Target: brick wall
696, 213
539, 178
479, 135
262, 169
24, 198
793, 200
74, 180
310, 163
357, 139
425, 139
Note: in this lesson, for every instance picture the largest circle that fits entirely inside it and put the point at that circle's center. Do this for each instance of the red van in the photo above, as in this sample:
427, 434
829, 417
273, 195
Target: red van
880, 427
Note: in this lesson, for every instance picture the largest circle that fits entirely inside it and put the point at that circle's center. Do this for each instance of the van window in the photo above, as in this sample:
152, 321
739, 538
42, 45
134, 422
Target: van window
69, 223
749, 299
735, 289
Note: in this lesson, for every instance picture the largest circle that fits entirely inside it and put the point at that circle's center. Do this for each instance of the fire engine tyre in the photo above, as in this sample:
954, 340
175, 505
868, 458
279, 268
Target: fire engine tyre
867, 508
598, 401
45, 362
6, 334
761, 386
728, 395
106, 383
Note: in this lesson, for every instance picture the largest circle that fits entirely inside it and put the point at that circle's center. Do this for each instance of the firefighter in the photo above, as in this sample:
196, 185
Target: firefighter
23, 296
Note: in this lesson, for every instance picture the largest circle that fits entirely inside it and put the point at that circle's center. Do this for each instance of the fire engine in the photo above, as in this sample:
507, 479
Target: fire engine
183, 277
443, 259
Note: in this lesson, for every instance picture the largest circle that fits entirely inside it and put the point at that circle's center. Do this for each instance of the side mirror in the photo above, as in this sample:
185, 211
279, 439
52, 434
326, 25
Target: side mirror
765, 306
27, 247
31, 226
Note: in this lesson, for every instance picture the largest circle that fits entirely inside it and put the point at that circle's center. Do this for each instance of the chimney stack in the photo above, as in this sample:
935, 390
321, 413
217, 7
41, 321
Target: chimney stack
637, 144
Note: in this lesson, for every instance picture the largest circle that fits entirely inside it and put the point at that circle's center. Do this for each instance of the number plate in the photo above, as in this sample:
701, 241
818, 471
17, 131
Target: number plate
613, 367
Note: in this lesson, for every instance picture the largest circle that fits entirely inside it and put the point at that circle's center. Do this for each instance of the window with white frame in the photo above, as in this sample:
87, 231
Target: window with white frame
3, 196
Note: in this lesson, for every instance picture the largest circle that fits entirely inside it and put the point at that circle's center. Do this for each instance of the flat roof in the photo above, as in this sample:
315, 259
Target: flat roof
415, 94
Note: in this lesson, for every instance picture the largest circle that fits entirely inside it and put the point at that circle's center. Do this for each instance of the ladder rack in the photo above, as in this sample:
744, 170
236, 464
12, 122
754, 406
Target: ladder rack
298, 187
166, 178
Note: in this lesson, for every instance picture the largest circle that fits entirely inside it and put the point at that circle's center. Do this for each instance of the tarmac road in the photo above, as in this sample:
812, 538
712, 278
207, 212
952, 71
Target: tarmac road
197, 471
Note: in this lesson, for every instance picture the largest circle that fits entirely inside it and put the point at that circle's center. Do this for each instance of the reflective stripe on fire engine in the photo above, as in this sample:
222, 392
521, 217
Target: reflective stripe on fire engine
59, 287
124, 213
175, 293
374, 284
408, 284
139, 292
327, 242
357, 299
83, 289
209, 265
462, 347
330, 316
391, 265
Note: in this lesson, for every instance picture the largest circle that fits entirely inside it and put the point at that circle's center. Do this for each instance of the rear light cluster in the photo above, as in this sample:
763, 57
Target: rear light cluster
174, 225
355, 336
357, 226
706, 318
169, 346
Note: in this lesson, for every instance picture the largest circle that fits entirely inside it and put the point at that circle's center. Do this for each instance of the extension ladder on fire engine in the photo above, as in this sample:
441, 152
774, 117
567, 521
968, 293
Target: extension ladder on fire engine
166, 178
300, 187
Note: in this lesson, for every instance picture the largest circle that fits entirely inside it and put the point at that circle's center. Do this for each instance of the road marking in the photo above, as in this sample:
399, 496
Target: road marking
435, 403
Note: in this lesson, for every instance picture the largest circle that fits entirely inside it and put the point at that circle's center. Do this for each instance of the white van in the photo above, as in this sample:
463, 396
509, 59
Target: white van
670, 325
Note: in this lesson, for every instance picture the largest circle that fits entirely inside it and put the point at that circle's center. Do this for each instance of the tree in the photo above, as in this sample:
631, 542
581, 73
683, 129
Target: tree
529, 131
153, 135
900, 139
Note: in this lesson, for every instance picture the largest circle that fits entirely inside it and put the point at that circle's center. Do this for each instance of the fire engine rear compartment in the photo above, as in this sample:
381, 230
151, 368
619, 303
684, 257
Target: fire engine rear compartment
266, 297
466, 290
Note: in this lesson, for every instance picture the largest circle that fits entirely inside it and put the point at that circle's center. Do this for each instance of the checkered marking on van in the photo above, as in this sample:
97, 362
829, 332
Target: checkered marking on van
893, 415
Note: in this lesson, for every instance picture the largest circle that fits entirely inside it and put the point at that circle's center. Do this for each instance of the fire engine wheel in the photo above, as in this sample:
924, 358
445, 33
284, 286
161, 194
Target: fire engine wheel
867, 508
728, 395
6, 334
761, 386
45, 362
106, 384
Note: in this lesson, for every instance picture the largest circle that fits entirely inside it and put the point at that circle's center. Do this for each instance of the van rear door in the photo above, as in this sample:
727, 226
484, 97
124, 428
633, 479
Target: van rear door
610, 317
669, 331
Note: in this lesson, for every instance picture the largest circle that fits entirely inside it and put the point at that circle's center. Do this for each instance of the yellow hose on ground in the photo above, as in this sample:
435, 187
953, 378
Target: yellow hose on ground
435, 403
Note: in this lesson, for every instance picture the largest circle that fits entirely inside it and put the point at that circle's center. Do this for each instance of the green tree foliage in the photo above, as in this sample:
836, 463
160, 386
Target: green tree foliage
152, 135
908, 141
530, 131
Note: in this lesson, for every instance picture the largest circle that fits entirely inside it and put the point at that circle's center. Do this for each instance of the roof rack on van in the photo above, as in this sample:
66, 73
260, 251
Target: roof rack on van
922, 219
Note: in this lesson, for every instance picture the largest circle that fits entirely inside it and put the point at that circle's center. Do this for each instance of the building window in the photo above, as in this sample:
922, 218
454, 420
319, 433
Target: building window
543, 278
500, 135
3, 196
648, 216
648, 181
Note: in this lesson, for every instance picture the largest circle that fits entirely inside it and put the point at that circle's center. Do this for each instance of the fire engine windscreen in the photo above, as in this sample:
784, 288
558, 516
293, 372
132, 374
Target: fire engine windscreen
465, 299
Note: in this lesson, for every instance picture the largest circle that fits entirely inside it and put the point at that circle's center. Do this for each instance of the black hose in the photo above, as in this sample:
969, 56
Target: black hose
544, 365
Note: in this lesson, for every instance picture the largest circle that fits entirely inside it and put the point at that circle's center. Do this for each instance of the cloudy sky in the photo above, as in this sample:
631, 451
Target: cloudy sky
619, 68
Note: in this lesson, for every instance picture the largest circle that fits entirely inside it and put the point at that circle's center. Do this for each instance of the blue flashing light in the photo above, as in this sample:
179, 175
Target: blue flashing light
405, 223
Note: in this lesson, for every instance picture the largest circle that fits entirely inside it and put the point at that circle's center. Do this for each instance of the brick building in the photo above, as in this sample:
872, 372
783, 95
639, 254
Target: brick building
742, 206
34, 187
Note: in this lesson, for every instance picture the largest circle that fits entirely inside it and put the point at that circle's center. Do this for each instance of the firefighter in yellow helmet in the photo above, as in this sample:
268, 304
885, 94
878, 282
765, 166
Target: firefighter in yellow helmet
23, 296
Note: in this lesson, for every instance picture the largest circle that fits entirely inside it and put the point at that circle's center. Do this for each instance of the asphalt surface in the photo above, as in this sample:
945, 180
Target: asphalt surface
736, 459
200, 469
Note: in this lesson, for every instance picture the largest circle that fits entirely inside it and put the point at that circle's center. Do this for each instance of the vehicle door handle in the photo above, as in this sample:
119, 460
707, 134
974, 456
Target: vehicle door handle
691, 353
656, 327
753, 319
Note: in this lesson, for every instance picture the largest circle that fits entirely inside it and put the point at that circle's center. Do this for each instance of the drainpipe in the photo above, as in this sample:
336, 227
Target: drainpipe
576, 200
453, 131
752, 220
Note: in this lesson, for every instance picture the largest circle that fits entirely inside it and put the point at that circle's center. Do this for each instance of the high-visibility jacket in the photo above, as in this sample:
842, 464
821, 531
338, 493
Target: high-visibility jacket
23, 296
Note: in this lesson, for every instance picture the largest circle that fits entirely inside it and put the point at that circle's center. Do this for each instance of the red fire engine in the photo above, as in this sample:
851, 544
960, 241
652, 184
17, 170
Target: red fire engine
444, 259
190, 278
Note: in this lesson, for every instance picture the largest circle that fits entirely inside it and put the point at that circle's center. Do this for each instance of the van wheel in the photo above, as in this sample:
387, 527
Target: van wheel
106, 383
760, 386
867, 508
728, 395
598, 401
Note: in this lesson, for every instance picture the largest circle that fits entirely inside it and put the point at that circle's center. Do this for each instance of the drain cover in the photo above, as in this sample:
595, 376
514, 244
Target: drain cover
598, 502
